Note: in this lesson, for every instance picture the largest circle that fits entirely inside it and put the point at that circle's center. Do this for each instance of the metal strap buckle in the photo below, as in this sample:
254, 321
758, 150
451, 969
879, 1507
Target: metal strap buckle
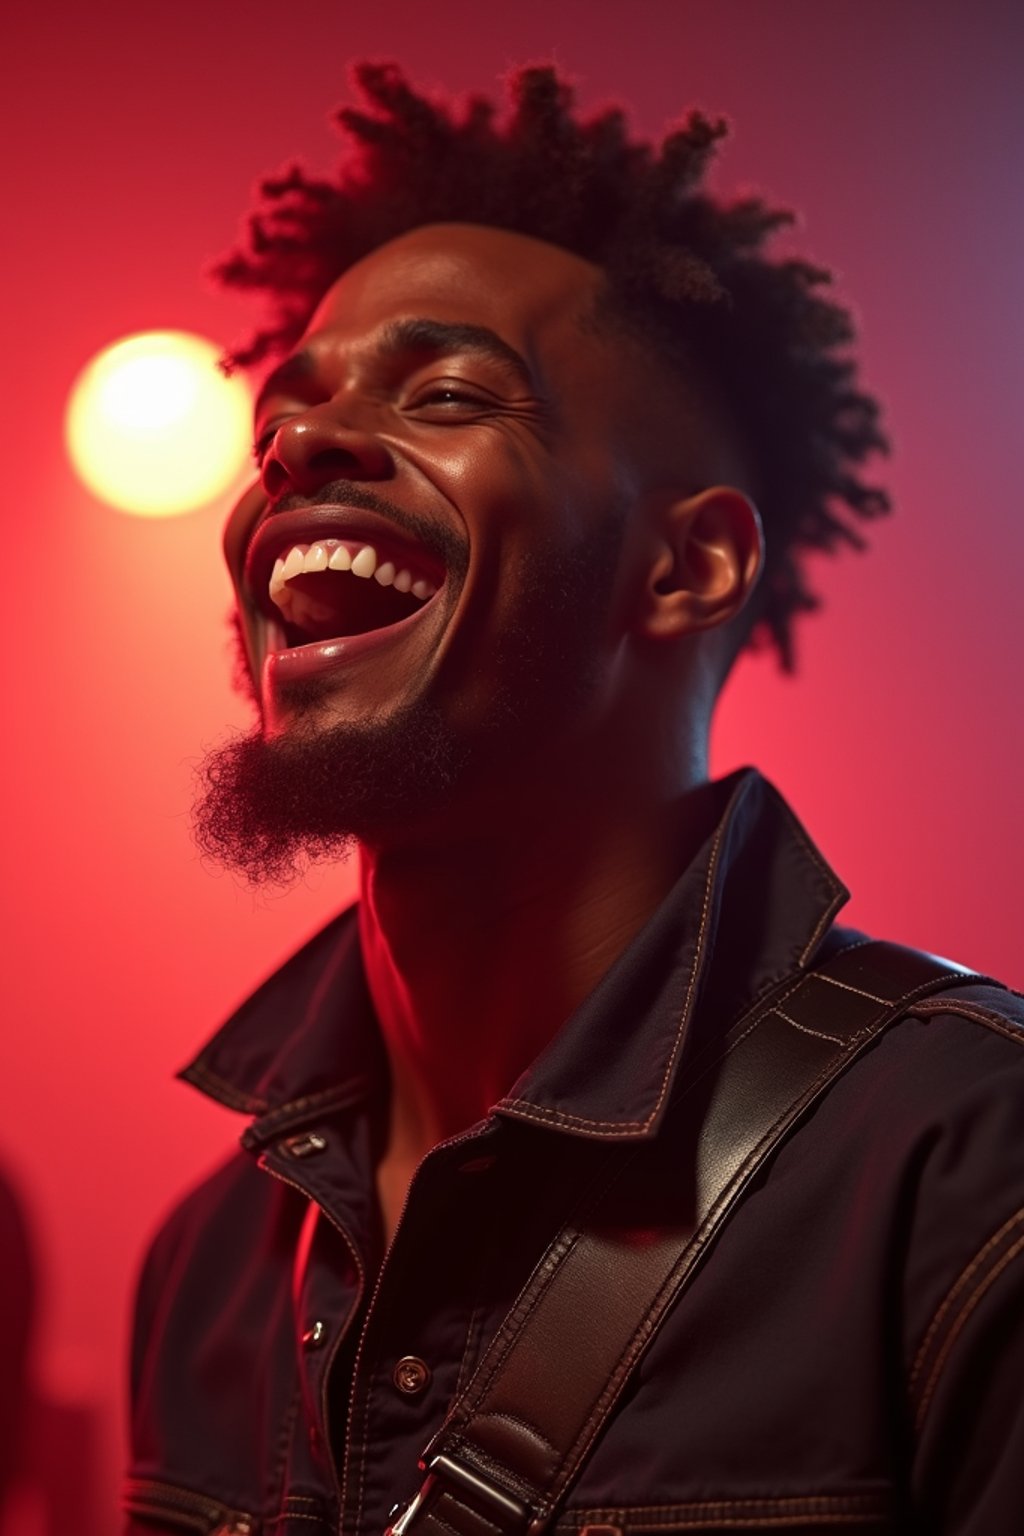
510, 1515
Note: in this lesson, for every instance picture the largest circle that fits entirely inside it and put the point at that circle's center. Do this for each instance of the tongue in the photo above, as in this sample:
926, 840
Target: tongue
326, 604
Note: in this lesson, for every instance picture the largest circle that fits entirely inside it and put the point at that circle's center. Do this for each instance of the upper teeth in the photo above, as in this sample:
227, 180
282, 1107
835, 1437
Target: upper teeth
333, 555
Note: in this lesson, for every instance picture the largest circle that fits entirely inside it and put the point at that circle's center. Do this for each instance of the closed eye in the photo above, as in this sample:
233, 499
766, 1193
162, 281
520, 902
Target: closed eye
448, 393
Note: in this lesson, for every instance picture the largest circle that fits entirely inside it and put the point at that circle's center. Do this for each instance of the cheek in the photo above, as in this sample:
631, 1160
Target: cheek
491, 467
515, 501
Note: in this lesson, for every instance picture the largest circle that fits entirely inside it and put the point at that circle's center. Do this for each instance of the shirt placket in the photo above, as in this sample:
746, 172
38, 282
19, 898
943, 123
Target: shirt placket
332, 1261
421, 1330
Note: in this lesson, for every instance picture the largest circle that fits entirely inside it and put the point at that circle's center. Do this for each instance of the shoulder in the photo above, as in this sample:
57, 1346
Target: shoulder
995, 1008
955, 1067
226, 1244
932, 1114
225, 1199
946, 1073
958, 1040
955, 1058
946, 1081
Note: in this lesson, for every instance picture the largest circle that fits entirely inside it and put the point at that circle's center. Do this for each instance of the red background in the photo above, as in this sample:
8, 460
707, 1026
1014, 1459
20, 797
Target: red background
135, 136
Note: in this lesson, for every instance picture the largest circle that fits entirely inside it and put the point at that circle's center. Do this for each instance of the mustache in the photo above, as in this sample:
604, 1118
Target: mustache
442, 541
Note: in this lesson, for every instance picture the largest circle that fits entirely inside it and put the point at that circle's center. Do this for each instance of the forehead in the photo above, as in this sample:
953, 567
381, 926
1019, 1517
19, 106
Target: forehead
530, 293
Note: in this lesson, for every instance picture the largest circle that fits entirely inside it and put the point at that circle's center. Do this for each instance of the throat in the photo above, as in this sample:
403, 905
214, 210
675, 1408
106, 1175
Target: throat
324, 607
475, 963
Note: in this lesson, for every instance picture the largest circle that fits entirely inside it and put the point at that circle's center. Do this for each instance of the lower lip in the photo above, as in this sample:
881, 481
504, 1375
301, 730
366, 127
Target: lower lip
303, 661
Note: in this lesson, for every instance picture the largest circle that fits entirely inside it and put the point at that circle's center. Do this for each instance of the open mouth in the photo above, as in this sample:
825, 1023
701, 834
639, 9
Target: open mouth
337, 574
338, 587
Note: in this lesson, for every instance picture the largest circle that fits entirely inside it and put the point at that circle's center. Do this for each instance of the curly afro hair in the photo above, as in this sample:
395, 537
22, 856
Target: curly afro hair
688, 270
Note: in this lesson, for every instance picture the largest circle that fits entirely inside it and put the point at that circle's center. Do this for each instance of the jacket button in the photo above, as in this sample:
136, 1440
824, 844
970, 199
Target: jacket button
410, 1375
305, 1146
315, 1336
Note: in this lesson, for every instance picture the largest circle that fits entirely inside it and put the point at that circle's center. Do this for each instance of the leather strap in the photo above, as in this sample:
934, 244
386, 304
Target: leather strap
518, 1434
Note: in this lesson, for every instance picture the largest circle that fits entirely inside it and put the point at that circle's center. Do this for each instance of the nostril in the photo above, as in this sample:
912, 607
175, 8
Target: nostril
275, 478
306, 471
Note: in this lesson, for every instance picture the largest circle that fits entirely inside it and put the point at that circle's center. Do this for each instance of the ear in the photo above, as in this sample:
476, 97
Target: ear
709, 554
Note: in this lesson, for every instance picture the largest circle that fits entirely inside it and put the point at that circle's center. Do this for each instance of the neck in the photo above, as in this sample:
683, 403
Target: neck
477, 952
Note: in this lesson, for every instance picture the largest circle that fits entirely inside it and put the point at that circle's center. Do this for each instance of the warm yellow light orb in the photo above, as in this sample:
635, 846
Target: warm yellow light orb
153, 426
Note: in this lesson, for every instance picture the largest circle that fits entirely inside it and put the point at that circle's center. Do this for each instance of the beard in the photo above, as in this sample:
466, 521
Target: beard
266, 808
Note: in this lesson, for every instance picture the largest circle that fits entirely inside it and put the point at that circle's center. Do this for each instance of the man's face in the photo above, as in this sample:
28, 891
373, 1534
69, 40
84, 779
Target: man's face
451, 410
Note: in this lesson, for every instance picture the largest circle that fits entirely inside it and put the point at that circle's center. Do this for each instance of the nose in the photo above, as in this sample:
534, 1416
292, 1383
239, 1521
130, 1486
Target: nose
316, 447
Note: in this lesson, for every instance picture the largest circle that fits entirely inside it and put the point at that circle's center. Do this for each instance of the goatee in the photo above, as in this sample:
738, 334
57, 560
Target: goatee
266, 809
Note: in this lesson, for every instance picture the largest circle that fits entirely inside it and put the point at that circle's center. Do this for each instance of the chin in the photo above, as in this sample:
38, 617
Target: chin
271, 802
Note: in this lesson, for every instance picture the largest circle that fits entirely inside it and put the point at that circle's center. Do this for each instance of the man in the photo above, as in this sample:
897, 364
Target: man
545, 441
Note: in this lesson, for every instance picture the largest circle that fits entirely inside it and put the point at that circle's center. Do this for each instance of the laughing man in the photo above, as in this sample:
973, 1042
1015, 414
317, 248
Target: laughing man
544, 436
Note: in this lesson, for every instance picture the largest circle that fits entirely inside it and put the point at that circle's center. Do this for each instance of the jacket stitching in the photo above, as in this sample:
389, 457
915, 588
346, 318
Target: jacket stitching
511, 1418
839, 893
543, 1114
356, 1448
625, 1127
821, 927
472, 1329
537, 1111
363, 1444
285, 1441
758, 1016
845, 986
139, 1487
325, 1098
750, 1522
159, 1485
958, 1285
813, 1503
234, 1098
984, 1284
699, 956
805, 1029
975, 1011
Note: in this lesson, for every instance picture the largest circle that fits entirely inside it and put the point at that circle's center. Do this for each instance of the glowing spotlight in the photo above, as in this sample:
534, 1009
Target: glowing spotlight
153, 427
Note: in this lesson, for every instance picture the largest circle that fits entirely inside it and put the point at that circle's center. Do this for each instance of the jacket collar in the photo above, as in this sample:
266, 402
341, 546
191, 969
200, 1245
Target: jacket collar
752, 906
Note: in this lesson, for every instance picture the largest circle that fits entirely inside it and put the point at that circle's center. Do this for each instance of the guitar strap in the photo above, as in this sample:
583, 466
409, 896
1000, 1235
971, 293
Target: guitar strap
518, 1434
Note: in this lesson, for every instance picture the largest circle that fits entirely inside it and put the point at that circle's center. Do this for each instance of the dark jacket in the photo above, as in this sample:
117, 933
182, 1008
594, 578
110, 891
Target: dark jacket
851, 1355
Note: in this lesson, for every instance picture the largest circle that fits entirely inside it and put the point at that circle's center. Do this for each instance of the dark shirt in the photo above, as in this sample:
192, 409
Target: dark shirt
850, 1355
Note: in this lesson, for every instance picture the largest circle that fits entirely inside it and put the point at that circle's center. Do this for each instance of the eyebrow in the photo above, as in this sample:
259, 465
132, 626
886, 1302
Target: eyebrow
414, 335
